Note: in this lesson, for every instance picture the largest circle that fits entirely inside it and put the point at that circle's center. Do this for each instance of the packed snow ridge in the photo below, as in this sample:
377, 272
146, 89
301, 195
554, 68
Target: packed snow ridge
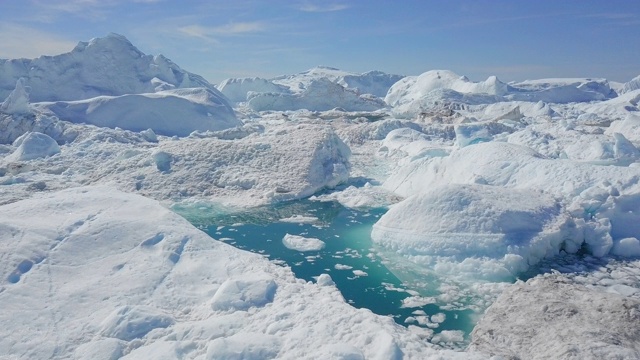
485, 182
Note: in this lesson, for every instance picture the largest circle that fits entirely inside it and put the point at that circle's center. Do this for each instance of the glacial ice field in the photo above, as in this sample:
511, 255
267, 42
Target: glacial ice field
148, 214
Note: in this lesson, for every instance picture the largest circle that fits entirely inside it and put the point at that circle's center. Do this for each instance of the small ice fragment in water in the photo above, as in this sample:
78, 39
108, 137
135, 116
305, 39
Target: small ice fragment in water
300, 243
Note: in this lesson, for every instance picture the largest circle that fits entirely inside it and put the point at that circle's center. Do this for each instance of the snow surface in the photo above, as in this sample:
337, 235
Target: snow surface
483, 180
549, 303
105, 274
288, 161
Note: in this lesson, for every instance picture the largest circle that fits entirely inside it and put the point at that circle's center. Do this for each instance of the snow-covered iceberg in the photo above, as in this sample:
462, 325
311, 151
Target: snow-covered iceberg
434, 90
236, 89
110, 66
477, 231
319, 89
319, 95
602, 199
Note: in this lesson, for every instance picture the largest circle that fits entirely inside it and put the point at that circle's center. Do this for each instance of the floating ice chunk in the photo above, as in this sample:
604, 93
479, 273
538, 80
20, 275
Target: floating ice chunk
301, 243
483, 231
132, 322
300, 219
342, 267
438, 318
417, 301
420, 331
244, 292
33, 145
244, 346
368, 196
359, 273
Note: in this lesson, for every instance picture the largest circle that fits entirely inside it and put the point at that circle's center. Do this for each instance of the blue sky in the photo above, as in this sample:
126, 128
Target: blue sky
515, 40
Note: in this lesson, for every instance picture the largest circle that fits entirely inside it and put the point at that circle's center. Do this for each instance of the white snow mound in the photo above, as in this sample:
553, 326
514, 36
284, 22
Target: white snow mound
33, 145
476, 230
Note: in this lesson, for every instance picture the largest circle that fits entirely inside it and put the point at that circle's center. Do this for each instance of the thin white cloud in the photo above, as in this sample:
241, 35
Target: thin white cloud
210, 33
611, 16
24, 42
239, 28
308, 7
617, 19
51, 10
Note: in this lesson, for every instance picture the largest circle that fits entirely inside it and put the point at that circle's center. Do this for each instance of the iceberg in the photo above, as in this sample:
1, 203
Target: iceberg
477, 231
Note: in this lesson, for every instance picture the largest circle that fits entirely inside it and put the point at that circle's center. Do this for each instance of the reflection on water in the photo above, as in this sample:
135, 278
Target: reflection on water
349, 256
